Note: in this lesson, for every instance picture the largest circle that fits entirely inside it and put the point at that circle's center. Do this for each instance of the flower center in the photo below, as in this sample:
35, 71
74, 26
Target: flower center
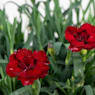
82, 36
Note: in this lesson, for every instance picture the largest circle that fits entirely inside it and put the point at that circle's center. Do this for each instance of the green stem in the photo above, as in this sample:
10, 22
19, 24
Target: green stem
10, 83
14, 83
11, 51
2, 72
68, 57
62, 89
36, 87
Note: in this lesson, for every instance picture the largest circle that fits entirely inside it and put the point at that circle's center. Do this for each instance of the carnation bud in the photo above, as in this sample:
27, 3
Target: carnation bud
83, 52
51, 49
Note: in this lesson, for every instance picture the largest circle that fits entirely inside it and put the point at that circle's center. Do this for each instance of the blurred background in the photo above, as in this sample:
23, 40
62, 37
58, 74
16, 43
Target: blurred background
12, 10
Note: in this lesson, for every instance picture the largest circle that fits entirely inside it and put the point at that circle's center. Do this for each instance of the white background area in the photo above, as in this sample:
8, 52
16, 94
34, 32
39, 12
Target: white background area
12, 10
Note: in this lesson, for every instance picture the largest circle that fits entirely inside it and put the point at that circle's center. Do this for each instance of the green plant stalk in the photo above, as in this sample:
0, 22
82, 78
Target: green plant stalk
12, 80
40, 45
68, 57
85, 11
36, 87
73, 86
62, 89
10, 83
14, 83
2, 73
11, 49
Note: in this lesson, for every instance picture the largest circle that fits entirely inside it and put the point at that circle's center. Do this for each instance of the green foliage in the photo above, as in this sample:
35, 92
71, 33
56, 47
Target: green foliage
28, 90
89, 90
70, 73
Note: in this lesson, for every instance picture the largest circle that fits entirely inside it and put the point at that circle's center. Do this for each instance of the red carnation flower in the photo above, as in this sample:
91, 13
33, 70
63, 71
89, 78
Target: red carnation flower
81, 38
28, 66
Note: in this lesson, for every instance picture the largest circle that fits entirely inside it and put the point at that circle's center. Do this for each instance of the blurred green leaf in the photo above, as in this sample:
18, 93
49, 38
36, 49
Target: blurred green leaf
33, 1
88, 90
27, 90
33, 89
78, 65
57, 47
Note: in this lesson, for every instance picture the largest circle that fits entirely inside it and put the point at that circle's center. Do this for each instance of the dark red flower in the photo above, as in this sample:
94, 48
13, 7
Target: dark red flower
81, 38
28, 66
